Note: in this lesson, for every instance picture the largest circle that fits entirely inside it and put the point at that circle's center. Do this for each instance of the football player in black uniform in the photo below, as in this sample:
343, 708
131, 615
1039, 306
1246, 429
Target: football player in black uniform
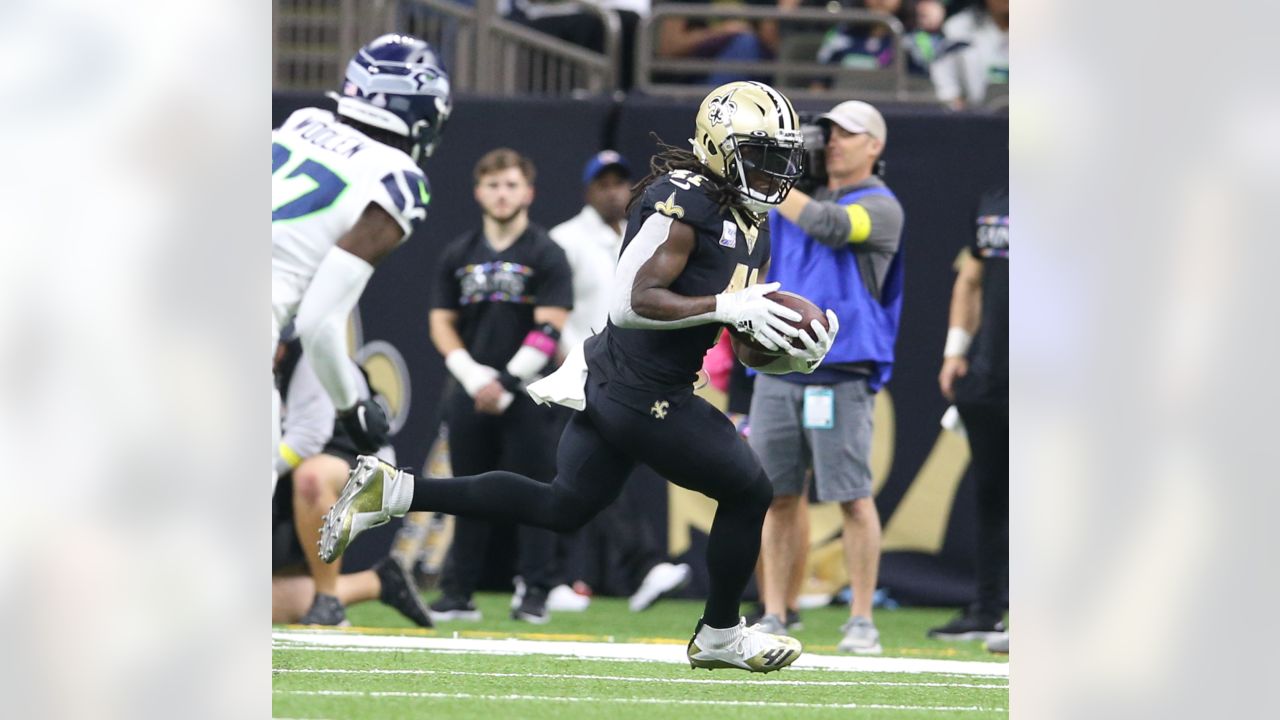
696, 243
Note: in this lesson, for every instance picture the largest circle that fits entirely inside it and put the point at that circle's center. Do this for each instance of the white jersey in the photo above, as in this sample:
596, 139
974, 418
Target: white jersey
324, 174
592, 249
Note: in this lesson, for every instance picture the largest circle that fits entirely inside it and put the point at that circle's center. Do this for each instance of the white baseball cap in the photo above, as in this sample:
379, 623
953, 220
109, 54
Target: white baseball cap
856, 116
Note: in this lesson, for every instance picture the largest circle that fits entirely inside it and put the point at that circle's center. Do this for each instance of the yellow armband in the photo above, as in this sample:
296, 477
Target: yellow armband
859, 223
288, 455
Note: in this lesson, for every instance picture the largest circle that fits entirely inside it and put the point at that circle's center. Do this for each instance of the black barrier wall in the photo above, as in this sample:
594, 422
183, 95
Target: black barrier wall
937, 164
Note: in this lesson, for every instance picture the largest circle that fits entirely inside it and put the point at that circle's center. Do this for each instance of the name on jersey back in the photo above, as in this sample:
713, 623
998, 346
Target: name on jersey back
321, 135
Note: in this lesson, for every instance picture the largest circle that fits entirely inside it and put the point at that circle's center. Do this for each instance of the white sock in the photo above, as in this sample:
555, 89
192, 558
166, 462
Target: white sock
719, 637
400, 493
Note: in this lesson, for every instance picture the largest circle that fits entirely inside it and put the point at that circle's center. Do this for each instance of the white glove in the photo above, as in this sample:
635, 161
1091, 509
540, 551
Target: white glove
816, 346
749, 311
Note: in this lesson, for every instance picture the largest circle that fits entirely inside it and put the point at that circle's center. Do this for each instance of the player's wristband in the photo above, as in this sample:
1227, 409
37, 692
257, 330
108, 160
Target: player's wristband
958, 342
509, 382
535, 352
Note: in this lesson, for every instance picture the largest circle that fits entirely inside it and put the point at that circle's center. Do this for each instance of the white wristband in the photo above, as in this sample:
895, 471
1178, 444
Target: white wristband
471, 374
526, 363
958, 341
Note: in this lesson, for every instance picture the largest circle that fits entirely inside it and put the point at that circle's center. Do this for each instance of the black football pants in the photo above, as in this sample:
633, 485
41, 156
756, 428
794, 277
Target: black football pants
521, 440
988, 428
691, 444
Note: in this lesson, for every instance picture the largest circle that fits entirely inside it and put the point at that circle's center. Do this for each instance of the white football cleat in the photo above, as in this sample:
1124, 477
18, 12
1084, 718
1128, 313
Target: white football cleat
661, 580
375, 492
742, 647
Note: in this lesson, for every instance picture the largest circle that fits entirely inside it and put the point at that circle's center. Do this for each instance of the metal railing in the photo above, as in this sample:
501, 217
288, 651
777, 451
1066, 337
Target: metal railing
485, 52
795, 76
489, 54
312, 40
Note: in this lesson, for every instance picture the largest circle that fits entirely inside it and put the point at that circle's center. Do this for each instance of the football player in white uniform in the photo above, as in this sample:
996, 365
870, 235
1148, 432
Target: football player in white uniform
346, 189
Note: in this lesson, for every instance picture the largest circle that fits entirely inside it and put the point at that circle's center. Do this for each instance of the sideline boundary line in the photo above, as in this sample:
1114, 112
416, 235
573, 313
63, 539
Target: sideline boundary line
624, 651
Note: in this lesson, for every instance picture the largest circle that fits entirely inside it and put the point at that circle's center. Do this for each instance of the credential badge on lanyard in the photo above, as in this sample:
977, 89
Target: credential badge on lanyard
819, 407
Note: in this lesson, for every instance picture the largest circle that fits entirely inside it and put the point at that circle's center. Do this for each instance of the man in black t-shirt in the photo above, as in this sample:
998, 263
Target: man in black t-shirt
502, 294
696, 243
975, 376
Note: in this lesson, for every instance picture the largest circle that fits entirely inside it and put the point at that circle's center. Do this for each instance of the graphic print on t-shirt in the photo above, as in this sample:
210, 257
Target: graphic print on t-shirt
993, 236
494, 282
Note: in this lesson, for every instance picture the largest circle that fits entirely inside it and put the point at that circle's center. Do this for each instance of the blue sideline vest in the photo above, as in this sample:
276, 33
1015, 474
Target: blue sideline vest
830, 278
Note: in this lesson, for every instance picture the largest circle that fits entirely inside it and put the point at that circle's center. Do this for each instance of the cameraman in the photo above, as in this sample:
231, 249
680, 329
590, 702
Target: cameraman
841, 248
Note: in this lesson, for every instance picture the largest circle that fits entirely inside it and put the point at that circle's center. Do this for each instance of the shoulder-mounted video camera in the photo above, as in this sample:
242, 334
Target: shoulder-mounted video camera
817, 133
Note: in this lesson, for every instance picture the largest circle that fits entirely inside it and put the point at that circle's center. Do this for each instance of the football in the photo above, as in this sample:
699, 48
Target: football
753, 354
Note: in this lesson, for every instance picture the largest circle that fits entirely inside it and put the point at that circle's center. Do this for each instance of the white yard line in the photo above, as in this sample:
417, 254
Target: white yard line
629, 651
629, 678
641, 701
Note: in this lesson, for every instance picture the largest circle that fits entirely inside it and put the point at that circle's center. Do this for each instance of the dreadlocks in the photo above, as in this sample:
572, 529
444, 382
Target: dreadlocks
671, 158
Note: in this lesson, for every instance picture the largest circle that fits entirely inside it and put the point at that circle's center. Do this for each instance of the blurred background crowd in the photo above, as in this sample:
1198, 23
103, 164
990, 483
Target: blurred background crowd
954, 52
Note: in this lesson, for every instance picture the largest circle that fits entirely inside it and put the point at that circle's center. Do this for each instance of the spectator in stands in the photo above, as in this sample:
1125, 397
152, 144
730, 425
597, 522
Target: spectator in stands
842, 249
315, 457
502, 295
591, 240
568, 21
731, 39
975, 56
870, 47
924, 39
975, 376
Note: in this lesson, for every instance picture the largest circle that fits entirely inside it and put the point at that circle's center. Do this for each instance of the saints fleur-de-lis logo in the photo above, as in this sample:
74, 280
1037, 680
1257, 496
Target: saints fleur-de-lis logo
669, 207
721, 110
659, 409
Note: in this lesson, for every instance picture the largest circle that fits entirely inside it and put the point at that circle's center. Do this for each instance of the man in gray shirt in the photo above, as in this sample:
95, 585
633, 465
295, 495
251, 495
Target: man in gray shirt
839, 248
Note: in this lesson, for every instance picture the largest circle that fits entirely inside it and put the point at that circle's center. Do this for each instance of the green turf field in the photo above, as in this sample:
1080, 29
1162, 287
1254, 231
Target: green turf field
354, 675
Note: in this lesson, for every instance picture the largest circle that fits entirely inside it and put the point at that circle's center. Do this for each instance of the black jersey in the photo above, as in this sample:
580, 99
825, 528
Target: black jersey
494, 293
988, 378
731, 248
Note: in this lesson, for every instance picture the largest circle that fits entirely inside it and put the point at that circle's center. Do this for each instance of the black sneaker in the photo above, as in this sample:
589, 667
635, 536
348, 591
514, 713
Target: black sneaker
399, 591
533, 607
325, 610
447, 608
970, 625
794, 623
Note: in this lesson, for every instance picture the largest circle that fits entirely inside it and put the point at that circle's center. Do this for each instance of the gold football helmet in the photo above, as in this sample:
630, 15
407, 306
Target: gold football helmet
748, 134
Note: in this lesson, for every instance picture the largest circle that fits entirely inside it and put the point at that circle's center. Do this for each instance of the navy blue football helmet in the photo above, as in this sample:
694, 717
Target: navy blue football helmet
397, 83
